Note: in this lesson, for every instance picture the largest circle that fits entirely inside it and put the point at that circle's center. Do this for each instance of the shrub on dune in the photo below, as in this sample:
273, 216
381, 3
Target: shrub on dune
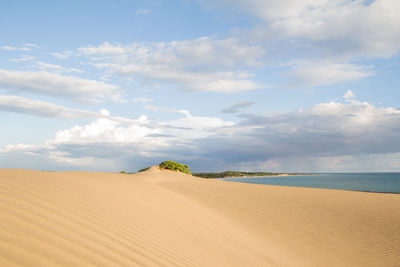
175, 166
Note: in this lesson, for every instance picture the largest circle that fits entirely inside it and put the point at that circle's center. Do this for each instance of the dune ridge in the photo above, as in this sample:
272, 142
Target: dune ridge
164, 218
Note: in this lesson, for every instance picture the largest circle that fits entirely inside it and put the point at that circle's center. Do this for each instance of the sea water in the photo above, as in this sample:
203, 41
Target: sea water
369, 182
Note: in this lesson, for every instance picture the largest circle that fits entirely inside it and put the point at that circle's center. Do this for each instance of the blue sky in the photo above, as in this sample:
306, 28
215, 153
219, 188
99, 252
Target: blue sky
288, 85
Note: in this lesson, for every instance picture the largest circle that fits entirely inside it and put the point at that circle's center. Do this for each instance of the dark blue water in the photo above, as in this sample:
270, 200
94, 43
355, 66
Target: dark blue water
370, 182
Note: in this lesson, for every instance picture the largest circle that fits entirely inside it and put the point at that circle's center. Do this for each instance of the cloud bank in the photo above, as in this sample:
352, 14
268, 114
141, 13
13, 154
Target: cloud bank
327, 137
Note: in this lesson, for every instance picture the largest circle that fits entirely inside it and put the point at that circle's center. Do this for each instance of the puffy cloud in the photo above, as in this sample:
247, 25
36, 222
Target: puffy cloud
118, 143
237, 107
333, 136
105, 144
53, 84
202, 64
105, 130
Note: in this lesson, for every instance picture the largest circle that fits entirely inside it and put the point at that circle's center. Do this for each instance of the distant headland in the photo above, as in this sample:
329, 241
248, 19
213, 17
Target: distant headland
180, 167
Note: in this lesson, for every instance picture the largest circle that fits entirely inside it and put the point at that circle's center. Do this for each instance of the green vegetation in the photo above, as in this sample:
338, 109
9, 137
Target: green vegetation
144, 169
233, 174
227, 174
175, 166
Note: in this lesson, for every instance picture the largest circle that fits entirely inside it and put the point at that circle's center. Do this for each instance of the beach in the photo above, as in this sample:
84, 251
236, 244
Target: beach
164, 218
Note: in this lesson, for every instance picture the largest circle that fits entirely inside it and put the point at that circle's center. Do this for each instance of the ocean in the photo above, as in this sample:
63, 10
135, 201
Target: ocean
368, 182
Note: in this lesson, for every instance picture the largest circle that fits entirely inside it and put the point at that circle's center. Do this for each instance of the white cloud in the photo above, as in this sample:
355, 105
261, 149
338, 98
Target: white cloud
339, 32
268, 9
141, 100
57, 68
358, 134
104, 141
237, 107
171, 110
202, 64
105, 130
25, 47
40, 108
17, 104
221, 82
17, 147
341, 28
117, 137
64, 54
190, 127
23, 58
314, 74
198, 123
53, 84
204, 53
32, 45
349, 95
142, 11
105, 49
302, 140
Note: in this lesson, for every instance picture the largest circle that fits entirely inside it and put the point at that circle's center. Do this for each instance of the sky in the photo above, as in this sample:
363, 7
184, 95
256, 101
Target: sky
256, 85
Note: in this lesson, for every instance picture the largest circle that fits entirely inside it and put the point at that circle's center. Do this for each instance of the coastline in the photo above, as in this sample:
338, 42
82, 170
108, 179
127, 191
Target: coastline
279, 175
383, 183
166, 218
318, 188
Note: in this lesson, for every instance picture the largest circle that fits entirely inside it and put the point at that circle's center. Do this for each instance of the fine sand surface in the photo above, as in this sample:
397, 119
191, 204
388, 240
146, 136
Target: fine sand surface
162, 218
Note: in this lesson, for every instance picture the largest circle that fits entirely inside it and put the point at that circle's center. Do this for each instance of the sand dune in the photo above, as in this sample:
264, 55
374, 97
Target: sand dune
163, 218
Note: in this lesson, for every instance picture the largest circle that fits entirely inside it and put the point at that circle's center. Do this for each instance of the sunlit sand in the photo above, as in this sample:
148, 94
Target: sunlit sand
164, 218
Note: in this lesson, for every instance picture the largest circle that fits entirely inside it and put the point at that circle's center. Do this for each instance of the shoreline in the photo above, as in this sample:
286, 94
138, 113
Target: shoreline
279, 175
323, 188
355, 189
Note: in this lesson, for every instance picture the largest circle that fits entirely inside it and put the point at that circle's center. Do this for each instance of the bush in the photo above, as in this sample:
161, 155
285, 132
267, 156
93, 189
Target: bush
144, 169
175, 166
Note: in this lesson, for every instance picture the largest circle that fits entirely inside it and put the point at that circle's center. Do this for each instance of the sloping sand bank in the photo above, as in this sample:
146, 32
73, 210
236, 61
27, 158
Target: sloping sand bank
162, 218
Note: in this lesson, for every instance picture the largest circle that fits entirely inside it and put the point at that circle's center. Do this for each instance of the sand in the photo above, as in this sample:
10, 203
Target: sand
163, 218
